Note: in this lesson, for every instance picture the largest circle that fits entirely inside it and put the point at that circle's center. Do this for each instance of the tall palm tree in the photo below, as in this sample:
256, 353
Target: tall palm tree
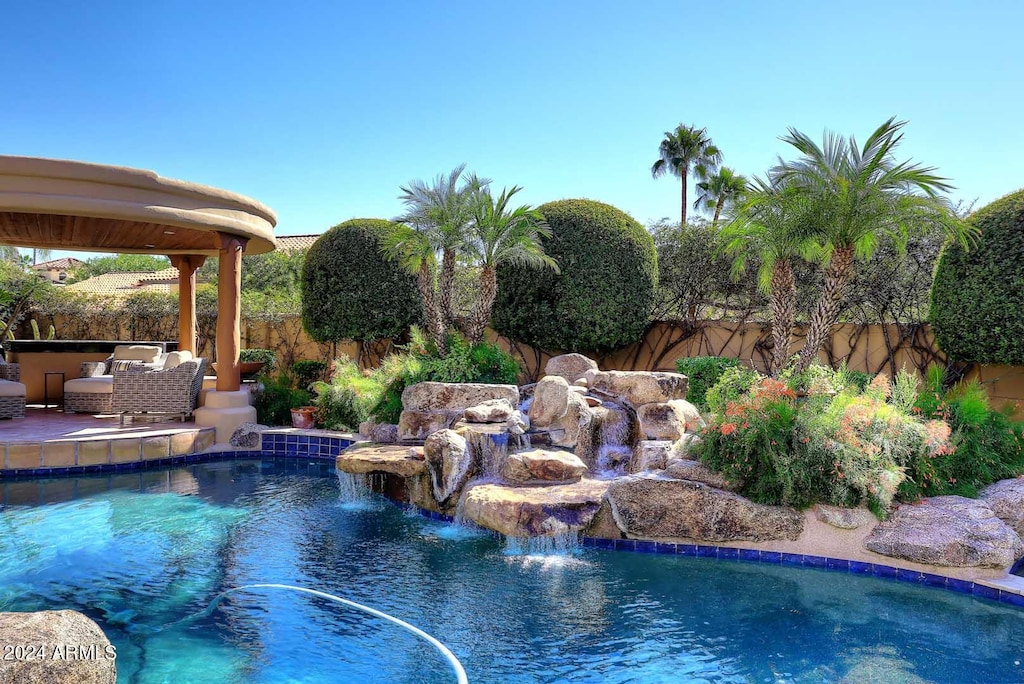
718, 189
502, 235
862, 195
774, 224
415, 247
444, 210
40, 255
683, 150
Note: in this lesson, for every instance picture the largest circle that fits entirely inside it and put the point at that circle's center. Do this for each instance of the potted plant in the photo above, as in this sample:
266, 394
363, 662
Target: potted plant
304, 417
252, 361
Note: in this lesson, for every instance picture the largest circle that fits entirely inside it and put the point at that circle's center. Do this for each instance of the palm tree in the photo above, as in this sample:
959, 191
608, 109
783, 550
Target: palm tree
862, 195
683, 150
444, 211
718, 189
502, 235
774, 224
40, 254
415, 247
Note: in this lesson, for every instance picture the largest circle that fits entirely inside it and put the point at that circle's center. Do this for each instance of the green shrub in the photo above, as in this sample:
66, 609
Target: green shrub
703, 373
988, 445
276, 399
307, 372
978, 295
819, 379
346, 400
731, 385
603, 296
420, 362
351, 292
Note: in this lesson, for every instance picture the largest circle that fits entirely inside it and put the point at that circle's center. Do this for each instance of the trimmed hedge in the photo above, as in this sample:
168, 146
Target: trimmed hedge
602, 298
703, 373
351, 292
978, 295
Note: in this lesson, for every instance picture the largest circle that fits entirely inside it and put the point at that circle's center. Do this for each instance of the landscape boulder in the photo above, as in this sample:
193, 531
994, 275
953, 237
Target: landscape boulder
550, 401
572, 367
72, 649
455, 396
490, 411
565, 432
547, 465
650, 454
368, 457
640, 387
248, 435
449, 463
518, 511
416, 426
695, 471
668, 420
1006, 499
844, 518
650, 506
951, 531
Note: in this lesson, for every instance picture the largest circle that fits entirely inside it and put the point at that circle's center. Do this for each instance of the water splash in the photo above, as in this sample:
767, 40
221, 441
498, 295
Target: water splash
560, 549
354, 491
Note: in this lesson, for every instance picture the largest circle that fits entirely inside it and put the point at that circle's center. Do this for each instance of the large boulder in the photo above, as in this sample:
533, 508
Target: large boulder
542, 465
517, 511
550, 401
72, 649
844, 518
416, 426
669, 419
695, 471
572, 367
490, 411
454, 396
640, 387
449, 462
382, 433
565, 432
650, 454
658, 507
367, 457
1006, 499
952, 531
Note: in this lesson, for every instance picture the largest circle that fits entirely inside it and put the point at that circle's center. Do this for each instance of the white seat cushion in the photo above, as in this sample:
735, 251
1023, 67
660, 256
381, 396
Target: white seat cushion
173, 359
137, 352
101, 384
9, 388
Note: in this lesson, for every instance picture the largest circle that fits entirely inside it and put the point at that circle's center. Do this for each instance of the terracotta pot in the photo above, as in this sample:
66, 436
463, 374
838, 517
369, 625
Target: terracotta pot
246, 368
304, 417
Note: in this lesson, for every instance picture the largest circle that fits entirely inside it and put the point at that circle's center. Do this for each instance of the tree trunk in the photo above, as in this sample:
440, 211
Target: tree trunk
435, 326
782, 302
837, 276
484, 303
447, 285
684, 176
718, 212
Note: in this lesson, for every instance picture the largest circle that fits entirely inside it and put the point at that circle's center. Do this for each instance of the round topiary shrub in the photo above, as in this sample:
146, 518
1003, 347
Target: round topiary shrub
602, 298
978, 294
350, 291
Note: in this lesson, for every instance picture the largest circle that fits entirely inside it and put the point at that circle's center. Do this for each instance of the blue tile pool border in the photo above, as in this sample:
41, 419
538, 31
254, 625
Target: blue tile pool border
273, 444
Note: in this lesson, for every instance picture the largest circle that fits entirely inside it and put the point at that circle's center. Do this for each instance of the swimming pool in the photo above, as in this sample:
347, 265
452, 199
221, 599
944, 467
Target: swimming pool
139, 551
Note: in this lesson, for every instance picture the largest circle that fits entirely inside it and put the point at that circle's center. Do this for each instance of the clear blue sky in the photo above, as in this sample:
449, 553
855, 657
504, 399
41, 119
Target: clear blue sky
321, 110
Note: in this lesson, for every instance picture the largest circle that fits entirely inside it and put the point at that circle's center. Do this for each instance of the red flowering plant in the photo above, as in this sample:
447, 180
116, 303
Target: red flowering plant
749, 442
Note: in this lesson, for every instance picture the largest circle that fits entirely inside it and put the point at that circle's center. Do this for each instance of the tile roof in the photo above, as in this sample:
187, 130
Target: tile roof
122, 284
295, 243
63, 262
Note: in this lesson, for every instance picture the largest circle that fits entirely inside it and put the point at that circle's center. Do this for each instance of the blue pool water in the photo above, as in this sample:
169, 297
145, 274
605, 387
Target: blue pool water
140, 551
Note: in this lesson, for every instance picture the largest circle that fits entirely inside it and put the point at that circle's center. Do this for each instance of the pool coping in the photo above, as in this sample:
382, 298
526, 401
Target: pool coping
325, 445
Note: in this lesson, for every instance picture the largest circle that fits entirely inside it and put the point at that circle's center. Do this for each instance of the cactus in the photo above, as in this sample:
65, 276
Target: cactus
51, 332
35, 329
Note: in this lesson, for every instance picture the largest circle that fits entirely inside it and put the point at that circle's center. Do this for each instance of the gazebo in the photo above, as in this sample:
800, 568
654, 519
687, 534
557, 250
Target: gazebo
72, 205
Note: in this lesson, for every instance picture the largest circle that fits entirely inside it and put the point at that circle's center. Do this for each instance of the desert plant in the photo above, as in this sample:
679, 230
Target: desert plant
350, 291
978, 295
601, 299
265, 356
308, 371
731, 386
703, 373
276, 397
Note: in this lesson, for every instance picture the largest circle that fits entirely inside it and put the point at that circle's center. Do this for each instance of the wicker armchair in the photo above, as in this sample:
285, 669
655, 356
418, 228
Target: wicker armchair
12, 392
175, 391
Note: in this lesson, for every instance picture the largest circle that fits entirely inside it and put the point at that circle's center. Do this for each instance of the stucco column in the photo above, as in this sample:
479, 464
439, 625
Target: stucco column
187, 264
229, 311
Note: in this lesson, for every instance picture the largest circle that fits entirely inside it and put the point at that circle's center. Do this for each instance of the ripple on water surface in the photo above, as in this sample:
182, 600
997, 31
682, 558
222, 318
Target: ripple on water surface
158, 547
